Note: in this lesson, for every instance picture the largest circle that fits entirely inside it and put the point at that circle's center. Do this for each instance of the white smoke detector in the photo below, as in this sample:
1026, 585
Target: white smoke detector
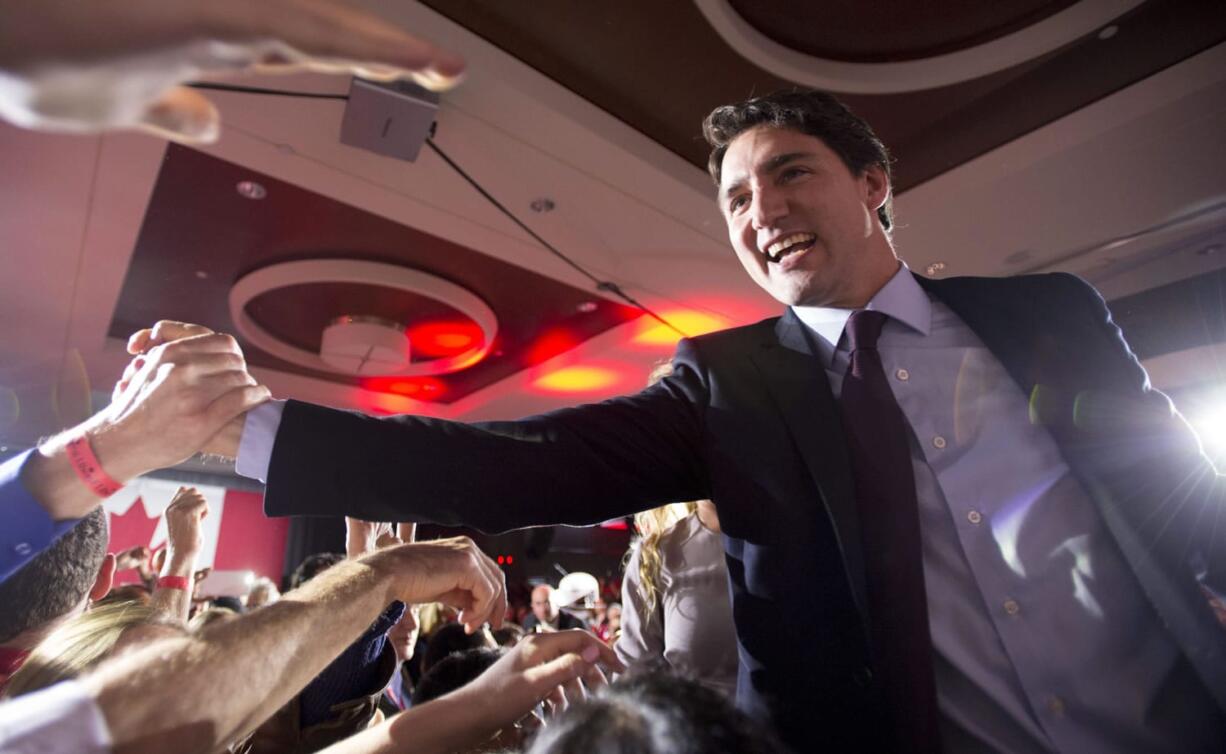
367, 346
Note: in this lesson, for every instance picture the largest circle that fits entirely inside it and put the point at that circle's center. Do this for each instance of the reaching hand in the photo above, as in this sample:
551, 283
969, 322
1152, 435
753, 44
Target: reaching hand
134, 557
183, 523
452, 571
72, 66
563, 667
362, 537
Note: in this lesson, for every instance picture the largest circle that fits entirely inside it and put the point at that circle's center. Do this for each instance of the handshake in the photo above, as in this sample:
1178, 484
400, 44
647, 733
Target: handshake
185, 391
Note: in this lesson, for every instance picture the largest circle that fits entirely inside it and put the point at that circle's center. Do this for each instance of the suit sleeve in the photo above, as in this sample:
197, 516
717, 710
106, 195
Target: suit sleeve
1149, 433
577, 466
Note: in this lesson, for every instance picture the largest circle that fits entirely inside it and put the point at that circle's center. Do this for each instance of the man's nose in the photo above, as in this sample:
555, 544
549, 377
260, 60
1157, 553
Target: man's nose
768, 207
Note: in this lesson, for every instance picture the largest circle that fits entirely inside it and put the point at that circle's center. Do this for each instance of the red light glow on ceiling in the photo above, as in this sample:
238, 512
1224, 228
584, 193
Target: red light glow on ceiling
550, 344
440, 339
421, 388
578, 379
692, 323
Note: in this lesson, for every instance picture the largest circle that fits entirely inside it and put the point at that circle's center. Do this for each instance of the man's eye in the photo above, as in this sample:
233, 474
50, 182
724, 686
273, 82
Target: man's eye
737, 202
791, 173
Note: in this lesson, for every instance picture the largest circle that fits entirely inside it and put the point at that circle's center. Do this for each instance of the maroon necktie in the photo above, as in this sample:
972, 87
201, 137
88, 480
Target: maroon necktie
884, 480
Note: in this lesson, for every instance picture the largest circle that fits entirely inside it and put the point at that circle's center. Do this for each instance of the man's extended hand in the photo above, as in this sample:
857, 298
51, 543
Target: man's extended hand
72, 66
171, 401
452, 571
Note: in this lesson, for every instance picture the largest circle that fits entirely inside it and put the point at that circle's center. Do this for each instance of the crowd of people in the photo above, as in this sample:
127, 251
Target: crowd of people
861, 546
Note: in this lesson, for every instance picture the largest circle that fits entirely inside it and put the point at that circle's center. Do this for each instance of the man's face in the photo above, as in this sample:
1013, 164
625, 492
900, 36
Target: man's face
803, 226
541, 607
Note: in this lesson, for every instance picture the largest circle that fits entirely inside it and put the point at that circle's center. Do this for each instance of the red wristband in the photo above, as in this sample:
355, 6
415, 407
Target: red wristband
174, 582
89, 470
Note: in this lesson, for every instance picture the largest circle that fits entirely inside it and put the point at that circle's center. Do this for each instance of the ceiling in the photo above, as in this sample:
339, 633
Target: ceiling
1101, 155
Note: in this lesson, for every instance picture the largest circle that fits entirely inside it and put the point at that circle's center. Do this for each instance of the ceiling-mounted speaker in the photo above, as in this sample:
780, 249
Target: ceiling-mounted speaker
392, 119
365, 346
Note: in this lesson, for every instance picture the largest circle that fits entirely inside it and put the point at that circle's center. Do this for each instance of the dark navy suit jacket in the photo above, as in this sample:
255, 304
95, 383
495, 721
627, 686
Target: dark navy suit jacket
748, 420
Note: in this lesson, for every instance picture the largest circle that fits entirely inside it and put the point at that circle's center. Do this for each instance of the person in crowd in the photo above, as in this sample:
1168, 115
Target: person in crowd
563, 667
224, 680
345, 696
611, 629
210, 615
676, 589
454, 671
676, 586
262, 592
509, 635
911, 470
545, 614
658, 713
313, 565
85, 640
172, 596
461, 668
52, 588
138, 558
449, 639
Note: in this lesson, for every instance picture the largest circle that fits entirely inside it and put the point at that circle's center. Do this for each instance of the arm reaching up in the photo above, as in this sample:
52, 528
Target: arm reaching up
197, 693
173, 594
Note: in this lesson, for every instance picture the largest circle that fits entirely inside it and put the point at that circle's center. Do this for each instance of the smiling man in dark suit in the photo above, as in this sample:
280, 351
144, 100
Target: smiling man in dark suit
955, 513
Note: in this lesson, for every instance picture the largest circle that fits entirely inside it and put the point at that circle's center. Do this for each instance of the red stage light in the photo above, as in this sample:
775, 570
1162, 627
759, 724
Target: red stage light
510, 560
440, 339
550, 344
420, 388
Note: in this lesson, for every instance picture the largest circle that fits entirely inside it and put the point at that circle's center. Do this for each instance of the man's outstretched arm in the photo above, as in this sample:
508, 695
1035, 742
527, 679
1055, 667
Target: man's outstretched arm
575, 466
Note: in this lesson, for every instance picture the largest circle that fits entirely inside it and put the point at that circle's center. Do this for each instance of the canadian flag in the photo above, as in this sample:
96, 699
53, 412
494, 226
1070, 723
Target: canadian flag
236, 534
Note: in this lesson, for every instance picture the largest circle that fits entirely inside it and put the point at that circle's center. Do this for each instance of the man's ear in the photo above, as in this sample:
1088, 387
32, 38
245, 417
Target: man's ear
106, 577
876, 187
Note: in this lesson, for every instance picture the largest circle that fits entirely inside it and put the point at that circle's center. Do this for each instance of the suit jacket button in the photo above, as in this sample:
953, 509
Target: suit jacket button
862, 677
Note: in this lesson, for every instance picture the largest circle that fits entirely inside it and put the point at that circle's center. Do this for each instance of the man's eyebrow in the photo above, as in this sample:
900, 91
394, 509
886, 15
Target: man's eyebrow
769, 166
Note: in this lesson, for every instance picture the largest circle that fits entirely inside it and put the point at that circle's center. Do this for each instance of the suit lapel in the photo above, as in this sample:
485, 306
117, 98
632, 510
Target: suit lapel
797, 382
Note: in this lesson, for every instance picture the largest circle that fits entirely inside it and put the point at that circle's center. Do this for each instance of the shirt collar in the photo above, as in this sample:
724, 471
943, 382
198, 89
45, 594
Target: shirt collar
901, 299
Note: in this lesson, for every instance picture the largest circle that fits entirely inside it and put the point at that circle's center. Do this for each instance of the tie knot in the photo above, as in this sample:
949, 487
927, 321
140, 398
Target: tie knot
864, 328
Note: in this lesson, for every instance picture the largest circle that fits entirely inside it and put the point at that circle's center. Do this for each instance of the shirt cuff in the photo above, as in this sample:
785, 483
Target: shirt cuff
63, 717
259, 435
28, 528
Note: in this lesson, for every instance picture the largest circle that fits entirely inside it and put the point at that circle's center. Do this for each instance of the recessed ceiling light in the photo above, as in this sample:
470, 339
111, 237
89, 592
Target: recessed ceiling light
202, 274
934, 268
543, 204
251, 190
587, 307
1107, 32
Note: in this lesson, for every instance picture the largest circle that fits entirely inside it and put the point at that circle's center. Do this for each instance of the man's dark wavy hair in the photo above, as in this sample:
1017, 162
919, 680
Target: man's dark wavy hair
56, 580
808, 111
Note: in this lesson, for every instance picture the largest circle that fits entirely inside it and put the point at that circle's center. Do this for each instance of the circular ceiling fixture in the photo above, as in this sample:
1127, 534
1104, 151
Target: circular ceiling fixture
1051, 33
353, 345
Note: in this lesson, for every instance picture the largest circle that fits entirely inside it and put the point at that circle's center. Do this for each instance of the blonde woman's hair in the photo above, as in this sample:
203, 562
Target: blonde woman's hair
77, 646
653, 524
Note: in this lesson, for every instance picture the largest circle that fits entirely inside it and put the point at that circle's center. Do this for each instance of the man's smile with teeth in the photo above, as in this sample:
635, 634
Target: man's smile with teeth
788, 244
